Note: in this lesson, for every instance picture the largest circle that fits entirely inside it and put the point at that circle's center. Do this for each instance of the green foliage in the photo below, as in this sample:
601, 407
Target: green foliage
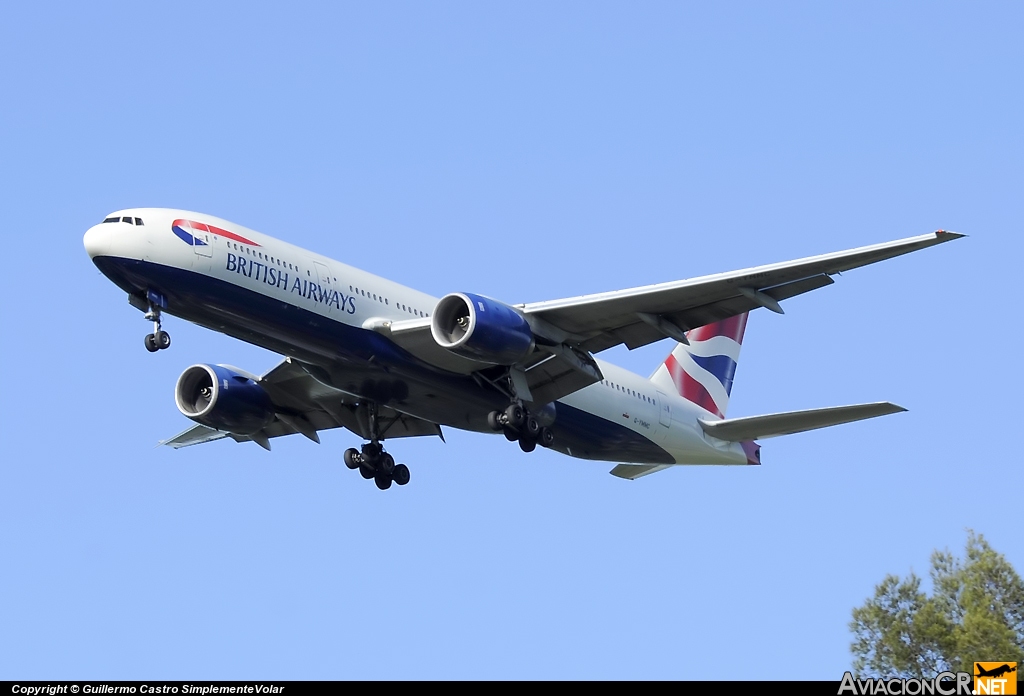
975, 613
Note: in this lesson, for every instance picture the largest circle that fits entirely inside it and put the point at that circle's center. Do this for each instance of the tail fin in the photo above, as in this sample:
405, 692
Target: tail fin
703, 371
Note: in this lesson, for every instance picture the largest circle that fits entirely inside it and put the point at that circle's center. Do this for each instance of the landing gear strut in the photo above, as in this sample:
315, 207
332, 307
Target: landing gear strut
373, 462
159, 339
520, 425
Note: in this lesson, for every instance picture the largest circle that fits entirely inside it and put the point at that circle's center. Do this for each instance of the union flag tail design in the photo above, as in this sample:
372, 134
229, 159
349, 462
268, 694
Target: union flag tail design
703, 371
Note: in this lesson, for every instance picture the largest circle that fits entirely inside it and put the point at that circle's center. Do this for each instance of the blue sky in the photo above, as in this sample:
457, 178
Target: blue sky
528, 152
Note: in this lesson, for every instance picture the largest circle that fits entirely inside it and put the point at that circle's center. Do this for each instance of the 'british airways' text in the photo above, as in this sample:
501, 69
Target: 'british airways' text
279, 279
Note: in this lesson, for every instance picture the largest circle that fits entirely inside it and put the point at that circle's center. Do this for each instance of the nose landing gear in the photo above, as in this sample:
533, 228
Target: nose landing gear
159, 339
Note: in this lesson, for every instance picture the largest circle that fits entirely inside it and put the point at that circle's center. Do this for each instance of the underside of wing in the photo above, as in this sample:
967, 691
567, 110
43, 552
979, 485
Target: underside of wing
547, 374
639, 316
305, 404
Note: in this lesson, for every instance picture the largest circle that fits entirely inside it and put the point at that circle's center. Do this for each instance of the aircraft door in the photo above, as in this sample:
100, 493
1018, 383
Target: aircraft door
202, 245
664, 411
327, 289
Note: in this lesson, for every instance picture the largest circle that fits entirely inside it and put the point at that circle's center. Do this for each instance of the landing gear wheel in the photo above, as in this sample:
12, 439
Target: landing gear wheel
401, 474
372, 450
366, 472
151, 345
547, 438
493, 420
527, 445
531, 428
510, 434
162, 340
515, 415
352, 458
386, 464
382, 480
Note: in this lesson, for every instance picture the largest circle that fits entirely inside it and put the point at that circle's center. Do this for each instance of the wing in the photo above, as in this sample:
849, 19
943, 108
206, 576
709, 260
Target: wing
196, 435
568, 331
306, 405
639, 316
549, 373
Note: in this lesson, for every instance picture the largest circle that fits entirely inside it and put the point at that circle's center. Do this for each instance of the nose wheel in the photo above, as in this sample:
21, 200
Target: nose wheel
158, 341
519, 425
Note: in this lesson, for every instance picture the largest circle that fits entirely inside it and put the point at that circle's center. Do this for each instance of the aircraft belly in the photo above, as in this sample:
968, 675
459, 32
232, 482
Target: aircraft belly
363, 362
360, 361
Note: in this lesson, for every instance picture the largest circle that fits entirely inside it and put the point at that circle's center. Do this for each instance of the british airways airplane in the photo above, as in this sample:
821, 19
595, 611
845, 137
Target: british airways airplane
386, 361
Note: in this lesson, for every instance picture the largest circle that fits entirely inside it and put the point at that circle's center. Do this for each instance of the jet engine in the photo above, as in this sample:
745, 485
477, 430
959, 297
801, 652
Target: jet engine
220, 398
479, 328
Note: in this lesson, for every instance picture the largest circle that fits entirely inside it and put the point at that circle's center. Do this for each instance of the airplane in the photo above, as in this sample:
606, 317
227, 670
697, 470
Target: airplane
995, 671
386, 361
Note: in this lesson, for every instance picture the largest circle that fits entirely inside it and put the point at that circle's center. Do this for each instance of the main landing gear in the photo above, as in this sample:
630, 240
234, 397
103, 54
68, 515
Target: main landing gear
374, 463
520, 425
159, 339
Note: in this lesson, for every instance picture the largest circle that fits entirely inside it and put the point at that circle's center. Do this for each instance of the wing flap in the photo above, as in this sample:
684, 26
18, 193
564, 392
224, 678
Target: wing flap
560, 374
776, 424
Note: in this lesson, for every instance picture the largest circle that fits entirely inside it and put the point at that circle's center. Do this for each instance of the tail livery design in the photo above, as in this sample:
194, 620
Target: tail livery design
703, 371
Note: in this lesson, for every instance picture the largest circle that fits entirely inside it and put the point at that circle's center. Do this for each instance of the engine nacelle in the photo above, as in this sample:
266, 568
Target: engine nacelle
220, 398
480, 328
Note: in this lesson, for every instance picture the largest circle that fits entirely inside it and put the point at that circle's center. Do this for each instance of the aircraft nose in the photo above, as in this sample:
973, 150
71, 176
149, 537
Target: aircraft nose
97, 240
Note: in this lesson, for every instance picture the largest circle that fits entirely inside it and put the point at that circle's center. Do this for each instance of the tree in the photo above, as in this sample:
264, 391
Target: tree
975, 613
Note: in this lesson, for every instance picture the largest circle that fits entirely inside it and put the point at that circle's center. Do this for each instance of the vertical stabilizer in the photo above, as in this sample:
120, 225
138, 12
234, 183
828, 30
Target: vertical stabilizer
703, 371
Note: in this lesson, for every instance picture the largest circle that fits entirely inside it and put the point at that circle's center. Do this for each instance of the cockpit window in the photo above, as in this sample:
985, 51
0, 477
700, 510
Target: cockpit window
130, 221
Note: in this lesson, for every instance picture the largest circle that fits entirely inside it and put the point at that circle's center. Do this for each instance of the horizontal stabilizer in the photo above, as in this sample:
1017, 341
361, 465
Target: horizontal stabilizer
775, 424
635, 471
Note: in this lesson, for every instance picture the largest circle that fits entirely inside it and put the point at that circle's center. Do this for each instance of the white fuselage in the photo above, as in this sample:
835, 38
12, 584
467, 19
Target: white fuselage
294, 279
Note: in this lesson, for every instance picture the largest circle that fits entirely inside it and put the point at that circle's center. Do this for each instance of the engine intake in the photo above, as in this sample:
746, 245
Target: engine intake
480, 328
220, 398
